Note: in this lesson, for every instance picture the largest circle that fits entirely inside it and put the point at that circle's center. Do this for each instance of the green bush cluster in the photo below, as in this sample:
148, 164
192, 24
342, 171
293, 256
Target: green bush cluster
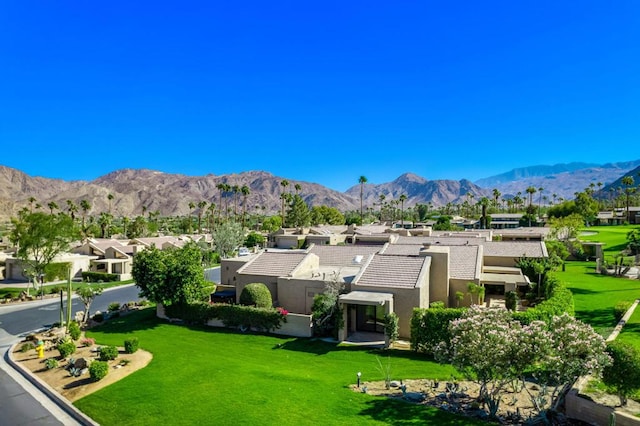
511, 300
98, 370
561, 301
131, 345
26, 347
94, 277
56, 271
431, 326
256, 294
620, 309
98, 317
66, 348
74, 330
113, 307
231, 315
51, 363
108, 353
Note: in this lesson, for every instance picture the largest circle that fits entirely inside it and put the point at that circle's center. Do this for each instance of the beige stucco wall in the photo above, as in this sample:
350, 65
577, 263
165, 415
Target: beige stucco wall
14, 268
459, 285
229, 269
439, 272
500, 261
296, 295
288, 241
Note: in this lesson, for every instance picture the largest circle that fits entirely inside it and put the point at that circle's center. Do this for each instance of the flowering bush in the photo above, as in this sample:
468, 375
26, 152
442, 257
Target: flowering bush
88, 341
492, 348
282, 311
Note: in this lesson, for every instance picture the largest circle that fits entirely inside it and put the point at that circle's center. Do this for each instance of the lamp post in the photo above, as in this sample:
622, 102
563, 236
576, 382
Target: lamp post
358, 375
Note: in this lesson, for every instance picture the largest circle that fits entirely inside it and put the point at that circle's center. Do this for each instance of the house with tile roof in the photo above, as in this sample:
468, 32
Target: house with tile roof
384, 272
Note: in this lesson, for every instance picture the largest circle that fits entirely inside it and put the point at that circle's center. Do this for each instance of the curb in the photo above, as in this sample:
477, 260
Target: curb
53, 395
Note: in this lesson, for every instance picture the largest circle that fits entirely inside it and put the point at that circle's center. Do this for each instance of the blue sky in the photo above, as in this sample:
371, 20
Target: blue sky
317, 91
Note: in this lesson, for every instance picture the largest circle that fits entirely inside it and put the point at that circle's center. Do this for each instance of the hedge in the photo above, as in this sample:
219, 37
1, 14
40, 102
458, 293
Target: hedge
95, 277
265, 319
430, 326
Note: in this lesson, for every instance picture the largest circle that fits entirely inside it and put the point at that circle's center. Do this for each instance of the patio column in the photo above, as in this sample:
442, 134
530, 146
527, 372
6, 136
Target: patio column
342, 332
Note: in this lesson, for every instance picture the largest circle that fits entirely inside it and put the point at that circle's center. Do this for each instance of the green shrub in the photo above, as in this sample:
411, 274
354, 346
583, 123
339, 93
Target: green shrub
113, 307
55, 289
74, 330
94, 277
438, 304
98, 370
26, 347
51, 363
108, 353
231, 315
66, 348
431, 326
131, 345
256, 294
623, 375
511, 300
391, 326
620, 309
99, 317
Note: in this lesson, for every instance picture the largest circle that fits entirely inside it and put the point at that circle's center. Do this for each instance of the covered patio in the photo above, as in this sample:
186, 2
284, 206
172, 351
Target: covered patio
363, 315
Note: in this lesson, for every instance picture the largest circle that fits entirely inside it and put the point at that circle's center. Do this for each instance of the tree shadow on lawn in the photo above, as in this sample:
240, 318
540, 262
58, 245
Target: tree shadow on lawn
321, 347
399, 412
601, 319
143, 319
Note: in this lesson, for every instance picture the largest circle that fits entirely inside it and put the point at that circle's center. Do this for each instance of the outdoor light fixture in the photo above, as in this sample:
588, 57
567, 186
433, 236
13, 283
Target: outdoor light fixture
358, 375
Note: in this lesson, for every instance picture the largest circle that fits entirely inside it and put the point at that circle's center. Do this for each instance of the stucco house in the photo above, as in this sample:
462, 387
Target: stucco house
384, 272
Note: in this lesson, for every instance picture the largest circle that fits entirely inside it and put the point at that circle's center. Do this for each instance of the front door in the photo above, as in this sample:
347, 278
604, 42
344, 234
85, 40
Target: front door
370, 318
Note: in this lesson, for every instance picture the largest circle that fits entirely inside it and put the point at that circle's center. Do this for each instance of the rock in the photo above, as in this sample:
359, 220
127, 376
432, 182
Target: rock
394, 384
80, 363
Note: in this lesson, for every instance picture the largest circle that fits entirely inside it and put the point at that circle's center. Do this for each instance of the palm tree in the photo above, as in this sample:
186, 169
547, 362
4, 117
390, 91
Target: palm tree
31, 201
85, 206
362, 180
628, 182
110, 197
245, 190
284, 183
403, 197
236, 191
201, 206
71, 206
496, 195
298, 188
381, 197
52, 206
192, 206
220, 187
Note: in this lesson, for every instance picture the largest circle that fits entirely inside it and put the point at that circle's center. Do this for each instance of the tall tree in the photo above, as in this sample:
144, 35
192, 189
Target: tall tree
362, 180
284, 183
72, 208
402, 199
298, 214
192, 206
52, 206
236, 191
627, 181
39, 238
496, 196
245, 193
110, 197
220, 187
297, 187
31, 201
201, 205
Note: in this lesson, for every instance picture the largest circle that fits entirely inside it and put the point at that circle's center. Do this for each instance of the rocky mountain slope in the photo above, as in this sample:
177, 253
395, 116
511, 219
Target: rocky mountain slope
564, 180
135, 190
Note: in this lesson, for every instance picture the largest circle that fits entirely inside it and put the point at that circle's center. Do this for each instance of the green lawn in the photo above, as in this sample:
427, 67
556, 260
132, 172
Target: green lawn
216, 376
613, 237
595, 295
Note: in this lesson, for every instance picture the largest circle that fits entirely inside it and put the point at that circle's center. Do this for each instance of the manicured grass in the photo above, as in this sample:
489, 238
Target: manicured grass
216, 376
595, 295
613, 237
631, 330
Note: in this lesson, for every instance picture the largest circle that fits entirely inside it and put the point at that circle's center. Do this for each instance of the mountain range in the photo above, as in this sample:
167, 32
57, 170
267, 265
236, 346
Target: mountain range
138, 190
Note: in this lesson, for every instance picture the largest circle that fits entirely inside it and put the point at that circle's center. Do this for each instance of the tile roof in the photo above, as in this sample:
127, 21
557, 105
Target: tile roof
463, 262
402, 249
515, 249
442, 240
273, 264
343, 255
393, 271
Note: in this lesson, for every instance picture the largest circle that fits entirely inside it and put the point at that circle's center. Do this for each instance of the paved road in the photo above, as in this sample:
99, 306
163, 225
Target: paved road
21, 403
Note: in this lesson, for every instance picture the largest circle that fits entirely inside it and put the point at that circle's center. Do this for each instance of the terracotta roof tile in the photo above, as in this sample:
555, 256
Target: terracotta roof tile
393, 271
273, 264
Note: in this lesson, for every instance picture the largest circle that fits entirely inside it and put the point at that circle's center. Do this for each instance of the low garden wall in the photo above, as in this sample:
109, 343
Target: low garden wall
579, 408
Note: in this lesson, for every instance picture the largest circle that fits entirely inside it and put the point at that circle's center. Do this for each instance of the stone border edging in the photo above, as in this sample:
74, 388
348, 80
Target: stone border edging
53, 395
623, 321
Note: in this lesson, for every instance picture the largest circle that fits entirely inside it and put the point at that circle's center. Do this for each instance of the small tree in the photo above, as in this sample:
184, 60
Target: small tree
227, 237
623, 375
391, 326
87, 294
